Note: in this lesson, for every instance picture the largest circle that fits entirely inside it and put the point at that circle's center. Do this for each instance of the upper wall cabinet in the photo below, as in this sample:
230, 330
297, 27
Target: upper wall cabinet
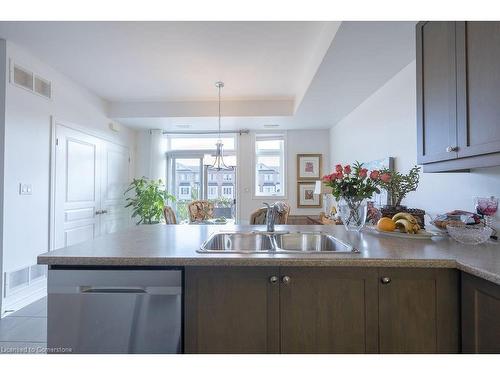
458, 95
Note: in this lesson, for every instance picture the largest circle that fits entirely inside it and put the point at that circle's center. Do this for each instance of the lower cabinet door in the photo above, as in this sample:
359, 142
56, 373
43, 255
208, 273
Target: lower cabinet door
418, 310
231, 310
480, 315
328, 310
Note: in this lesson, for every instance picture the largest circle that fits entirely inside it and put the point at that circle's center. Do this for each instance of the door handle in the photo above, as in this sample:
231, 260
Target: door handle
451, 149
273, 279
286, 279
98, 212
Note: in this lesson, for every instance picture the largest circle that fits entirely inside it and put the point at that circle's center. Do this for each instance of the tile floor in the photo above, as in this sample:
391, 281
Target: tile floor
25, 331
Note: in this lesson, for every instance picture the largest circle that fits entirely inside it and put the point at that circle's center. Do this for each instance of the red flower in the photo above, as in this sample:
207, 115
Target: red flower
340, 175
338, 168
386, 177
374, 175
326, 178
347, 169
363, 172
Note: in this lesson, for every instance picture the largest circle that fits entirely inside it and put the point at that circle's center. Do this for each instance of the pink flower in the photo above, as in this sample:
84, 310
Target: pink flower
374, 175
347, 169
386, 177
363, 172
326, 178
338, 168
340, 175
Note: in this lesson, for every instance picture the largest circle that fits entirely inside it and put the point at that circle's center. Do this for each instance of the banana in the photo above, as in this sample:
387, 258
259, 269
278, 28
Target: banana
405, 226
406, 216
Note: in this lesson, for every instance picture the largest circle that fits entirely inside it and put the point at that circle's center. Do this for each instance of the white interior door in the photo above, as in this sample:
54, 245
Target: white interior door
114, 181
77, 187
91, 175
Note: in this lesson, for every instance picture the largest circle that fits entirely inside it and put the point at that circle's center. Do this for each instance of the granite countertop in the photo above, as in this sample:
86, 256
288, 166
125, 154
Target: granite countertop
176, 245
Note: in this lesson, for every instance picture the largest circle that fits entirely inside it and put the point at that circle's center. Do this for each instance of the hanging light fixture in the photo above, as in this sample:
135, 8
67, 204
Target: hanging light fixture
219, 164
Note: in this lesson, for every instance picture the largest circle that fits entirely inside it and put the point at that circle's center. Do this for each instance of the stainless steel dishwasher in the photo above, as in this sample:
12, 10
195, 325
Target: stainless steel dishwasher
115, 310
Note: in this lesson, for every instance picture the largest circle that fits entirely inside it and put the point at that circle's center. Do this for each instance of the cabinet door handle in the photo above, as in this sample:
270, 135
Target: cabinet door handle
98, 212
451, 149
286, 279
385, 280
273, 279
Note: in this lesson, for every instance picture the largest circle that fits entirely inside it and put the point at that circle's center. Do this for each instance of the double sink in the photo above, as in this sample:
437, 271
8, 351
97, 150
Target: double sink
274, 242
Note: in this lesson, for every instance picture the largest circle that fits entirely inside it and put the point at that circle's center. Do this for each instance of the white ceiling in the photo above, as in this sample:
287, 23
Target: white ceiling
162, 74
173, 61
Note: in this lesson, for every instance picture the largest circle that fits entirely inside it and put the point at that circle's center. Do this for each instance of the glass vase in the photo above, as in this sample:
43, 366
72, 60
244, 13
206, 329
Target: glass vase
352, 211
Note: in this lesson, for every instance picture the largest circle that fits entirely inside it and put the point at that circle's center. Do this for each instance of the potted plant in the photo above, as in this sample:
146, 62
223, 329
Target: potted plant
148, 200
398, 187
351, 187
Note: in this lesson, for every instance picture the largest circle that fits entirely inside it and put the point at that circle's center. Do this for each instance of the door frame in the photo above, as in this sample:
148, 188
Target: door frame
52, 169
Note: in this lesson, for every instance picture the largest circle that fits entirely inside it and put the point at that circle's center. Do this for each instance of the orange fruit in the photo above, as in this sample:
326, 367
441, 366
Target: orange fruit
386, 224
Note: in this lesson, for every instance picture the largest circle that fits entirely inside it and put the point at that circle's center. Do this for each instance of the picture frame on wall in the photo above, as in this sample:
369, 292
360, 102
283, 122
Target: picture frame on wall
309, 167
306, 197
381, 199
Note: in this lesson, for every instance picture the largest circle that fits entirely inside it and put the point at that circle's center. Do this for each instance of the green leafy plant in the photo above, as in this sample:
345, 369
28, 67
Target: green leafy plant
399, 185
148, 200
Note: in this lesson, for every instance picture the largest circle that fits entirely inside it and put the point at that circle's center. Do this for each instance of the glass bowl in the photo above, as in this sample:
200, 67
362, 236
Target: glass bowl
469, 234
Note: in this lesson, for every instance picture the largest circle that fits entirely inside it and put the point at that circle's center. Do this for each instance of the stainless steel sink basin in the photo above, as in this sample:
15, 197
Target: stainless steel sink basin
238, 242
310, 242
280, 242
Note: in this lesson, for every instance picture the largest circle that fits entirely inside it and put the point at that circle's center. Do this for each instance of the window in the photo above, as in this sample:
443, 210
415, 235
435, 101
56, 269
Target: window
269, 165
184, 192
227, 191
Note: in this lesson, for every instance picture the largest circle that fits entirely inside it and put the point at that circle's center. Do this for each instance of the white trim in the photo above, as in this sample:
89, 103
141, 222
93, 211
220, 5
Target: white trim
284, 135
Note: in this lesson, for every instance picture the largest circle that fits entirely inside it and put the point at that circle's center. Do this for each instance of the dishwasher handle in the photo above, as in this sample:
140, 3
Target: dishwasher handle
112, 290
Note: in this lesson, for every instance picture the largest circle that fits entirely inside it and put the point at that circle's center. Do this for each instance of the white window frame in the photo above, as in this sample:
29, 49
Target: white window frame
283, 168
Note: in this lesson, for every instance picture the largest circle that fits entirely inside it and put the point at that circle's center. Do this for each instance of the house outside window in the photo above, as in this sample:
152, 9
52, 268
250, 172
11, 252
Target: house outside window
269, 165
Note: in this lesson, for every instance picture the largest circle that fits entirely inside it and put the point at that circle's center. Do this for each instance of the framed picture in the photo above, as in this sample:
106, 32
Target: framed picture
306, 197
381, 199
309, 166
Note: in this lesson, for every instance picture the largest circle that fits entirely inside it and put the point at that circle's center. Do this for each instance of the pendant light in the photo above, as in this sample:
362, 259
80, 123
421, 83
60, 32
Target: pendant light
219, 164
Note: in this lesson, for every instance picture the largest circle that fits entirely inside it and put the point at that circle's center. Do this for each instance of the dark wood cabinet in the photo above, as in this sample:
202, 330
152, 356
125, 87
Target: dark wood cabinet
231, 310
436, 90
458, 95
325, 310
478, 78
418, 311
480, 315
321, 310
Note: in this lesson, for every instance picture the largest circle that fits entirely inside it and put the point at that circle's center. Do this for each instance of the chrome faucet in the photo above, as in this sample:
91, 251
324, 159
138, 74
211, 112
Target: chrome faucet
270, 216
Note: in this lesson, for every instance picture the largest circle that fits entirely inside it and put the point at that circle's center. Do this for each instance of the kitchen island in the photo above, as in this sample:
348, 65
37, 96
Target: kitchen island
394, 296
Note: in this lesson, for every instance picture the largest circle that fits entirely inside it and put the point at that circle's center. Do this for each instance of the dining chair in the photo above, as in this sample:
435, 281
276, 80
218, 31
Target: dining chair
258, 217
200, 210
169, 215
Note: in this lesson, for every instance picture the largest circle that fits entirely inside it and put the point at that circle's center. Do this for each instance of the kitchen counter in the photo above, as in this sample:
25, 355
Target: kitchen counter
176, 245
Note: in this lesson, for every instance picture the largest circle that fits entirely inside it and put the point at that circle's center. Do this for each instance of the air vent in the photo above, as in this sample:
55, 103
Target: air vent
271, 125
16, 280
23, 78
23, 278
183, 126
37, 271
43, 87
26, 79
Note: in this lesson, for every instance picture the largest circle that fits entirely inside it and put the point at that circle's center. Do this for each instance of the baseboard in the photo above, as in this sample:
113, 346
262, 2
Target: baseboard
24, 297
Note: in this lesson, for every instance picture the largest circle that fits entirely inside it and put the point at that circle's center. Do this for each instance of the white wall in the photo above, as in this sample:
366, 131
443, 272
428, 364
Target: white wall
3, 61
297, 142
385, 125
27, 151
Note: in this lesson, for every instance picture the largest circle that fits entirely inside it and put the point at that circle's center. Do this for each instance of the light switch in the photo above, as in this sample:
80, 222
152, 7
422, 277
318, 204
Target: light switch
25, 189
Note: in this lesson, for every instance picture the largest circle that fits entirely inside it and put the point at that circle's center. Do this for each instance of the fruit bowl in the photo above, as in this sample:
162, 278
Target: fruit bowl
469, 234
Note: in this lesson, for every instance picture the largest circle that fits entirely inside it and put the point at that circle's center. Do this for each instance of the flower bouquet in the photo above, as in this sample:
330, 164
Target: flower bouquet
352, 187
